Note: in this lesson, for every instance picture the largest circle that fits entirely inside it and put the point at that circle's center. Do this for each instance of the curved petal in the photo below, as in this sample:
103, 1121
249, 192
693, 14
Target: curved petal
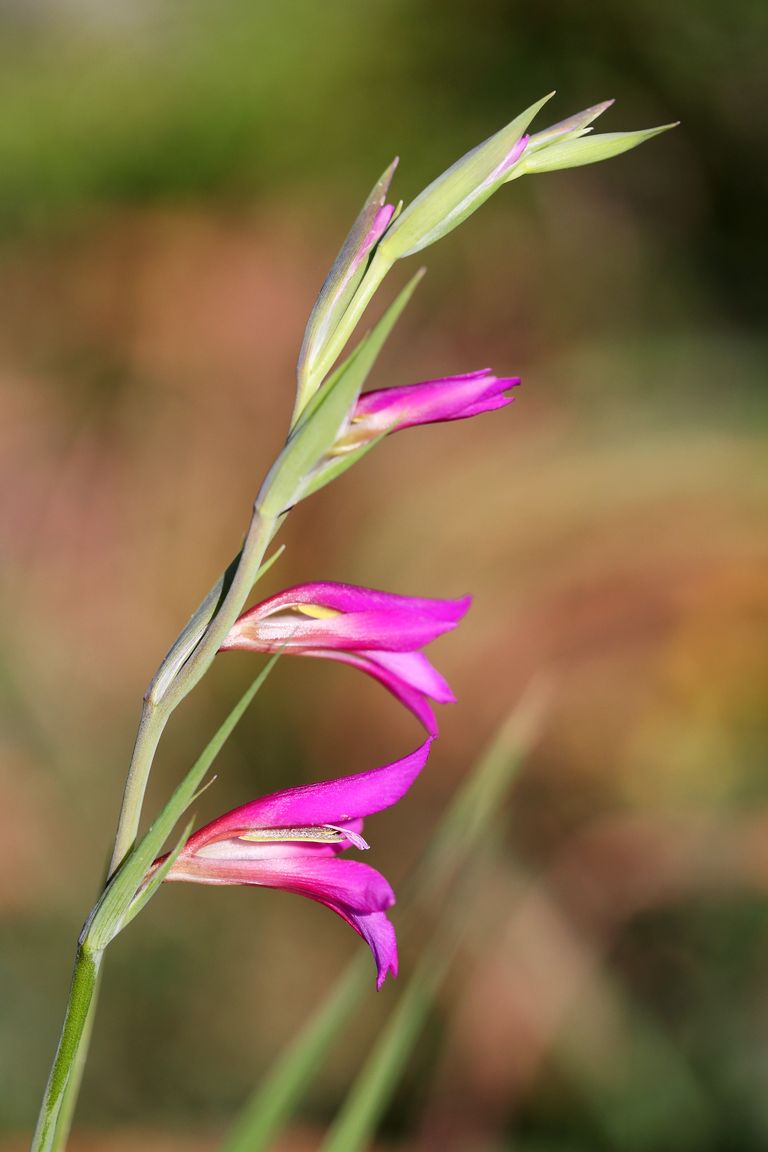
356, 886
349, 617
355, 598
379, 934
415, 670
401, 686
432, 401
329, 802
355, 892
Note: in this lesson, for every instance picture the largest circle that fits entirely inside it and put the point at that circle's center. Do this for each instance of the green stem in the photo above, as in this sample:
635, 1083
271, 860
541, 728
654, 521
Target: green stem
183, 667
232, 592
153, 721
64, 1081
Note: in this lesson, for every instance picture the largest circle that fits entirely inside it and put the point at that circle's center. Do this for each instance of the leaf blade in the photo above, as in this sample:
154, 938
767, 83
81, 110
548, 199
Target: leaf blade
106, 918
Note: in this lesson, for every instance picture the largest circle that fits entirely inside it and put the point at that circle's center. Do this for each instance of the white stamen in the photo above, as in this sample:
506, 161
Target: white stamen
314, 834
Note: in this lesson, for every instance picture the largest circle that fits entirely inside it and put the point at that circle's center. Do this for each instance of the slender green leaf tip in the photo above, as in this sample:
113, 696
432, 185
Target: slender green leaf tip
574, 152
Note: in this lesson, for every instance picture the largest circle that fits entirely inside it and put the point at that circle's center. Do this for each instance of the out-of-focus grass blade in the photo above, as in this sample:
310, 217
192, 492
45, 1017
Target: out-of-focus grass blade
463, 825
269, 1107
364, 1105
109, 915
373, 1088
458, 834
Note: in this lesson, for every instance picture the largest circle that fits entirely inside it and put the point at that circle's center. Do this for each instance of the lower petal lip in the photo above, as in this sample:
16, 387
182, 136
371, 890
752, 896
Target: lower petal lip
356, 886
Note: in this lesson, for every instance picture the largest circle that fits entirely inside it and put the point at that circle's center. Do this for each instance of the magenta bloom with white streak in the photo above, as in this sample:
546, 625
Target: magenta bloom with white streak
291, 840
378, 632
431, 402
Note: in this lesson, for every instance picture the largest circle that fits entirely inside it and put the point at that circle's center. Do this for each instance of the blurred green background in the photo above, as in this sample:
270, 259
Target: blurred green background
175, 179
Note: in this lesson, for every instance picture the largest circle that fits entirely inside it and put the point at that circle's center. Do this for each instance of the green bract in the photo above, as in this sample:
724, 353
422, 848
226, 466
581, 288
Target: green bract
323, 418
341, 283
571, 153
572, 126
126, 892
456, 194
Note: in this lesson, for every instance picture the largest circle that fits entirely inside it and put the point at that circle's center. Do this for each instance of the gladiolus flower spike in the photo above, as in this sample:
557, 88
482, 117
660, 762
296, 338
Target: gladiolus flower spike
378, 632
291, 840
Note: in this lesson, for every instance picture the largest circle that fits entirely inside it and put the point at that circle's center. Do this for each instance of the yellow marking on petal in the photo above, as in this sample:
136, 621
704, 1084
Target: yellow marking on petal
317, 611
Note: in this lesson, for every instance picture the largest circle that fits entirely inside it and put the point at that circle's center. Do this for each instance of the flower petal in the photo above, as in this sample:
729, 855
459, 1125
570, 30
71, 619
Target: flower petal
329, 802
354, 891
404, 676
387, 410
356, 886
357, 618
415, 670
377, 931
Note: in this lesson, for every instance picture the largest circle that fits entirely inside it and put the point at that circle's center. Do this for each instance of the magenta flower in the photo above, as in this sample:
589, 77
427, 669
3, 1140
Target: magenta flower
378, 632
432, 401
292, 840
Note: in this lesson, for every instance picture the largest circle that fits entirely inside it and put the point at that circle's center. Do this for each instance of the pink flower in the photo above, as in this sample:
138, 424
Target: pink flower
291, 840
432, 401
377, 632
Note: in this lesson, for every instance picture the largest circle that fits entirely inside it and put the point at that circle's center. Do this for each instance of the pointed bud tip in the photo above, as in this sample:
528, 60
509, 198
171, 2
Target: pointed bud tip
386, 179
389, 172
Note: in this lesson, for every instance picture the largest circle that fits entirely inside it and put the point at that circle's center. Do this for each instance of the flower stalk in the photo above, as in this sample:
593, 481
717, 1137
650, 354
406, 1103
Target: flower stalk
293, 839
61, 1091
157, 709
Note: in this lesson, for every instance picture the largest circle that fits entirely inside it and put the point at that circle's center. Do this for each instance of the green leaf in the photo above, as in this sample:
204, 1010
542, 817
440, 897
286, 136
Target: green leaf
341, 283
461, 830
109, 914
145, 894
321, 422
585, 150
455, 195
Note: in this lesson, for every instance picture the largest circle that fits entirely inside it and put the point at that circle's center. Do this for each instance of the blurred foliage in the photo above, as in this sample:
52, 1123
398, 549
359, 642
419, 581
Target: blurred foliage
176, 177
